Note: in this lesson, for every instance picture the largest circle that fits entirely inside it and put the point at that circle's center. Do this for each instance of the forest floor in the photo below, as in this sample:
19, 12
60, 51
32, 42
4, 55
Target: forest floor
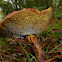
50, 41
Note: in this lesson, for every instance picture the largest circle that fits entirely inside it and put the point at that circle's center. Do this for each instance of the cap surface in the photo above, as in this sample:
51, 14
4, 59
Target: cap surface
25, 22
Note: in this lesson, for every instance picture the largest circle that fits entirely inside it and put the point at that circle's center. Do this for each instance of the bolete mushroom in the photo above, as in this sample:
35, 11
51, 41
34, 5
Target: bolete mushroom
27, 22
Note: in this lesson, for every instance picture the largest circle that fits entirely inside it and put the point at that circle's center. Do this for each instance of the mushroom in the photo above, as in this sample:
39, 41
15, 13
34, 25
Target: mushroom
27, 22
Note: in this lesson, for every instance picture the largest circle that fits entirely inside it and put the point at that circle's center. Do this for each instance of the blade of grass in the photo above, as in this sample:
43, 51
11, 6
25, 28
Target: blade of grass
12, 49
52, 31
55, 47
29, 60
33, 57
25, 46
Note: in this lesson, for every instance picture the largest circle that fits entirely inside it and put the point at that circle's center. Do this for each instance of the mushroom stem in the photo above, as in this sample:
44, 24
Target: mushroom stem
37, 48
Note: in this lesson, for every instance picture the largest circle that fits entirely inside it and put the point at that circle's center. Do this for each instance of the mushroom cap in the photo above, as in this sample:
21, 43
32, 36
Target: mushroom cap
25, 22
